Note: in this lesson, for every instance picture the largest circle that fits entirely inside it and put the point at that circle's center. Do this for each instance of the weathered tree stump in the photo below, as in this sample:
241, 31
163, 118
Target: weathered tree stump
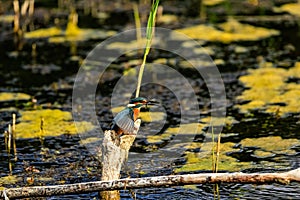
114, 151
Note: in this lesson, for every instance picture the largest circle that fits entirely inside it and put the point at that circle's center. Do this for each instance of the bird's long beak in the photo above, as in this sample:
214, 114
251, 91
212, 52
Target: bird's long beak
152, 102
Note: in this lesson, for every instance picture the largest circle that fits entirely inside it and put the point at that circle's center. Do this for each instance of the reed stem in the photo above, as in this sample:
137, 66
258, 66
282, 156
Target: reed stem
149, 35
14, 136
137, 21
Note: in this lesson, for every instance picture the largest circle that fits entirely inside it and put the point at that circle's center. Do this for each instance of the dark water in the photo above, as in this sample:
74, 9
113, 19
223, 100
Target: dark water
63, 159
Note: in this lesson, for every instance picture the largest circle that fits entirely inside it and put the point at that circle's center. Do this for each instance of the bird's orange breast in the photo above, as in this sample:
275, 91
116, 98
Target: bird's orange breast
136, 113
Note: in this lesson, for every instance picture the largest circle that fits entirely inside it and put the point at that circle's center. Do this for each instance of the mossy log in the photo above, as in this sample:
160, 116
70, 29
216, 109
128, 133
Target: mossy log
159, 181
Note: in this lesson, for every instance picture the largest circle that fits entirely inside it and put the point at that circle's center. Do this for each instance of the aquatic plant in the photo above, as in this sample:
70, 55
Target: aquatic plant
149, 36
137, 21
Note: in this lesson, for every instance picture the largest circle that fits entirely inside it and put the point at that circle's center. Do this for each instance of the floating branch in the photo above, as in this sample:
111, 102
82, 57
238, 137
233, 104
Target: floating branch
158, 181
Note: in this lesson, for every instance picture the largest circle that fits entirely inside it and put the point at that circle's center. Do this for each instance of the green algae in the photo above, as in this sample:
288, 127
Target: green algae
230, 31
72, 34
203, 160
190, 64
55, 123
7, 180
271, 145
152, 139
85, 141
270, 90
7, 18
167, 19
45, 32
212, 2
10, 96
266, 147
292, 8
192, 128
130, 45
183, 129
219, 121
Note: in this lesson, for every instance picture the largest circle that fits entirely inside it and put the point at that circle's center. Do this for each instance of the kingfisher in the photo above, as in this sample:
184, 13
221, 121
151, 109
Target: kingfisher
123, 123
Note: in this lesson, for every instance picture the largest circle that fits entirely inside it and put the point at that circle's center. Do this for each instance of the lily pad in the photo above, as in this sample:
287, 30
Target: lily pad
231, 31
55, 123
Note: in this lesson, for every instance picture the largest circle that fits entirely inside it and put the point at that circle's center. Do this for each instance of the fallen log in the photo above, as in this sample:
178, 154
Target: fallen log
159, 181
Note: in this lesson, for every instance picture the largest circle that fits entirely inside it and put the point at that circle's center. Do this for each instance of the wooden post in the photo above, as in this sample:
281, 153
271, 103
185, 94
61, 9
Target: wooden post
115, 150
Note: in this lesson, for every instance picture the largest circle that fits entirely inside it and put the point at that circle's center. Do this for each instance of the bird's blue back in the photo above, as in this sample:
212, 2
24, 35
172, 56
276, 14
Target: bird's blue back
124, 120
